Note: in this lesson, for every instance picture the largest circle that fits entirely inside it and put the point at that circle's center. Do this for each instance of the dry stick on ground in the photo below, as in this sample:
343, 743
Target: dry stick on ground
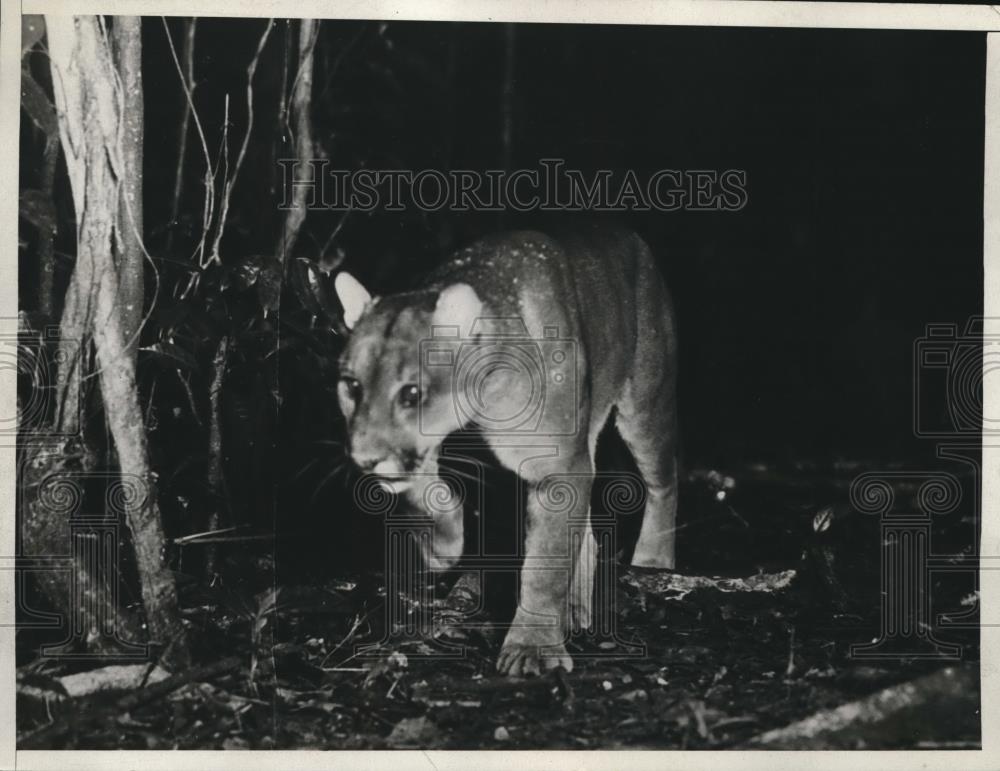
97, 717
675, 586
893, 716
188, 84
302, 115
194, 675
91, 132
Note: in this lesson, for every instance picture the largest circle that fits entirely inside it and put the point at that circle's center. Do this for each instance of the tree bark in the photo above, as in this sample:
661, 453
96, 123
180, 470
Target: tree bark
216, 460
302, 117
127, 32
47, 238
90, 126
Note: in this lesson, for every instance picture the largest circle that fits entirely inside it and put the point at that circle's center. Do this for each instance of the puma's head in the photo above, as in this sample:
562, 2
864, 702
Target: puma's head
398, 410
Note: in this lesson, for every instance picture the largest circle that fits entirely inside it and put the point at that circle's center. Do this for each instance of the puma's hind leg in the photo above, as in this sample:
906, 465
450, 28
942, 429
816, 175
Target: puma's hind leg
646, 422
581, 597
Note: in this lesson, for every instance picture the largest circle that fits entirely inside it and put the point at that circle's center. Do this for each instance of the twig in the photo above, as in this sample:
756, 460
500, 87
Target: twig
190, 398
195, 537
230, 181
359, 619
209, 181
337, 228
193, 540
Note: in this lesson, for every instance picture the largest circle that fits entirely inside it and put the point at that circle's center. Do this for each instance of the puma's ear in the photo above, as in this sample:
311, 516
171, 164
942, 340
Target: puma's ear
353, 297
458, 306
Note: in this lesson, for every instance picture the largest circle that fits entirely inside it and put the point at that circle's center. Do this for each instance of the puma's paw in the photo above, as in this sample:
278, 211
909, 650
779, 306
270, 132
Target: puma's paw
518, 658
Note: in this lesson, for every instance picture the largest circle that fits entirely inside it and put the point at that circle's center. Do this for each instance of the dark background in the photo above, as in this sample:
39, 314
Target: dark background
863, 152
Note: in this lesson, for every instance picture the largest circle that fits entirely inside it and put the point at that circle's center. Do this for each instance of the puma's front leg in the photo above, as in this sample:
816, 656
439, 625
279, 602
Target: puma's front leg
537, 636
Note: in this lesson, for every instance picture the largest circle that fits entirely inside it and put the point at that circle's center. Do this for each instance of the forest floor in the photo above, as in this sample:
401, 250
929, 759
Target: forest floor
687, 660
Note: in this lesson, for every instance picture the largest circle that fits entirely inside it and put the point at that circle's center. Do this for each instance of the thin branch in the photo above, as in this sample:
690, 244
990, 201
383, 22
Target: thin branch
305, 52
336, 230
209, 179
231, 181
188, 79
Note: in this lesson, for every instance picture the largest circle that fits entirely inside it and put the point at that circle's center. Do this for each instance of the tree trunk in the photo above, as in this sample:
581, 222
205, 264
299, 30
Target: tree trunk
302, 116
216, 460
91, 131
127, 31
47, 238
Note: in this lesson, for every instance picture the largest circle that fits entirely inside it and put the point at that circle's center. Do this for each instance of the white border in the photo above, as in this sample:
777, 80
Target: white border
714, 13
10, 112
665, 12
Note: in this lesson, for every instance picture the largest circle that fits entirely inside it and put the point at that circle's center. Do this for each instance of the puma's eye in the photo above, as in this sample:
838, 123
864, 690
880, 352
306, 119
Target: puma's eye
409, 395
350, 389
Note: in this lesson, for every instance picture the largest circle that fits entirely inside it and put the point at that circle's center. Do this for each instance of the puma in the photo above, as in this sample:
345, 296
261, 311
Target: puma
537, 339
